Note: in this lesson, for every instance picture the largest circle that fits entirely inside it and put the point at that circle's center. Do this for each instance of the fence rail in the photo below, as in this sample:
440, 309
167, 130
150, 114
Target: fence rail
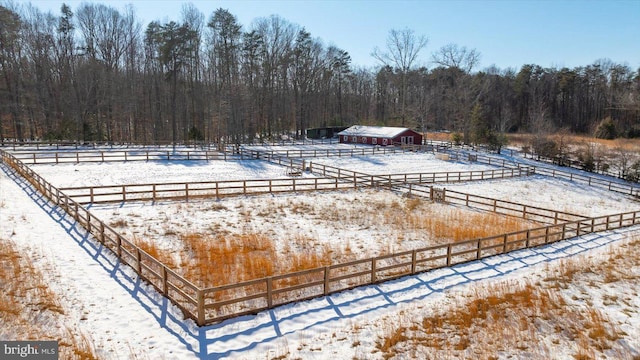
219, 303
363, 179
62, 157
615, 186
193, 190
503, 207
332, 179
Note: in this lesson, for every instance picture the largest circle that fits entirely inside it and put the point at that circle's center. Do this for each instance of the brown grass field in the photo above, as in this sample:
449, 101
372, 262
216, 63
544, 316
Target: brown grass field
520, 140
27, 303
215, 257
522, 317
630, 145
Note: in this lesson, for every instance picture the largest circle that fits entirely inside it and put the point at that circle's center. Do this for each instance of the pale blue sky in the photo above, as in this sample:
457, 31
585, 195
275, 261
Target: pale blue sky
507, 33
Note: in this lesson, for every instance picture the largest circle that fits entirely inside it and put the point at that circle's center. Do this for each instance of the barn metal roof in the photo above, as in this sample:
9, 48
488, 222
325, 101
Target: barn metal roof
373, 131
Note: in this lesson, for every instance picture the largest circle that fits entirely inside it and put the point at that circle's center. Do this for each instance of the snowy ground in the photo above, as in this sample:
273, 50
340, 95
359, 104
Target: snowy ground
123, 316
400, 164
141, 172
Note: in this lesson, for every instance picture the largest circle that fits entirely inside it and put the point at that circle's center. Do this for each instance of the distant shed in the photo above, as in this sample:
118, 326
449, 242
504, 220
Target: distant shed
379, 135
324, 132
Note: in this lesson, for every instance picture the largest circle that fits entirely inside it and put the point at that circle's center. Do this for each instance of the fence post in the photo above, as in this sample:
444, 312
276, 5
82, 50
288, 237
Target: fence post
504, 244
528, 241
89, 221
119, 246
269, 292
479, 249
138, 261
373, 270
414, 255
449, 255
546, 235
165, 287
326, 281
200, 298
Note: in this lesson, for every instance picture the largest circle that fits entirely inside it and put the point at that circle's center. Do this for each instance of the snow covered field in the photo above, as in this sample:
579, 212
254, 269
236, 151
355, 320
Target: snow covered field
400, 164
140, 172
124, 316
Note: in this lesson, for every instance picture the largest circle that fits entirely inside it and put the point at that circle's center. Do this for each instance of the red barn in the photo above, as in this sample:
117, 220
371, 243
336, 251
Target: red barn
379, 135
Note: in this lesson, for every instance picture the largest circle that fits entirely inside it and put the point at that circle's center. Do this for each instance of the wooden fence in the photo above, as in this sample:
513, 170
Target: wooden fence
193, 190
213, 304
333, 178
176, 288
78, 156
411, 184
62, 157
419, 178
615, 186
497, 206
222, 302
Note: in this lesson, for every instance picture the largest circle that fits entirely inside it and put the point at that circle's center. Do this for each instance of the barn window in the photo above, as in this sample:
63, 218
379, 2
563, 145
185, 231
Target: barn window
403, 140
345, 138
410, 140
364, 139
374, 141
354, 139
384, 141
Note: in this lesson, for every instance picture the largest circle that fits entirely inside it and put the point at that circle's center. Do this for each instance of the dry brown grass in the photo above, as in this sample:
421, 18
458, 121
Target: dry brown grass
29, 310
217, 258
525, 318
213, 261
632, 145
462, 225
438, 136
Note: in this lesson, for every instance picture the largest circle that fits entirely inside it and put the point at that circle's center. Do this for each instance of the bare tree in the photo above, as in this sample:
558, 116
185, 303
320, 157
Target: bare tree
452, 55
403, 48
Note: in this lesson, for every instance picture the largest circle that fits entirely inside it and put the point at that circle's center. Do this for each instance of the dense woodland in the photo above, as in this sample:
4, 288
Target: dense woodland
96, 73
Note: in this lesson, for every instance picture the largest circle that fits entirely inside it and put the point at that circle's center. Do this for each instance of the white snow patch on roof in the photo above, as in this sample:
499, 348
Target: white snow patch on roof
373, 131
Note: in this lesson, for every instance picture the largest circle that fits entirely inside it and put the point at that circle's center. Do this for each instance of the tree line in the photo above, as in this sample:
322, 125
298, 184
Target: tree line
95, 73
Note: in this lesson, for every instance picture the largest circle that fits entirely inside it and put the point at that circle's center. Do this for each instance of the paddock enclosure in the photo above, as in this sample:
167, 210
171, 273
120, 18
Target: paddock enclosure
365, 173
